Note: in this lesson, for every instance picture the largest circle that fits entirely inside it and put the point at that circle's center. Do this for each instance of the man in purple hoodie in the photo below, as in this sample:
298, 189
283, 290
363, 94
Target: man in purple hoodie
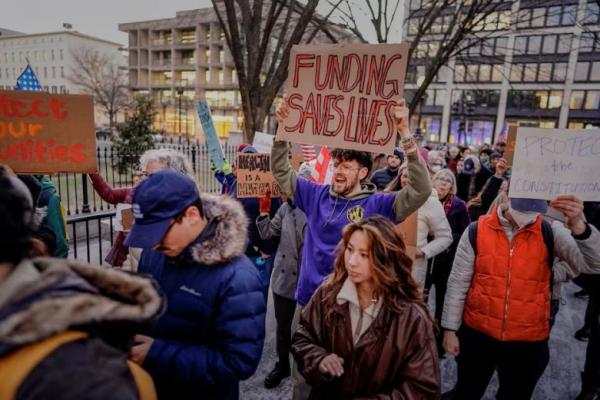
348, 198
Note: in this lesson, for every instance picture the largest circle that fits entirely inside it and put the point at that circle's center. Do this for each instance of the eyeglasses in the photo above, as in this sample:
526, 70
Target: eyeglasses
445, 180
344, 168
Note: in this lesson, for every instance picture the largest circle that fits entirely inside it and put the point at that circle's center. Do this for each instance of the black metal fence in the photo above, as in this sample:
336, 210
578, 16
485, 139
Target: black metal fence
90, 219
78, 196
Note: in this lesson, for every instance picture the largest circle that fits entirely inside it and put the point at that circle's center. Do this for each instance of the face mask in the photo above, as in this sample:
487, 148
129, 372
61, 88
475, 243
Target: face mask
522, 218
436, 168
484, 160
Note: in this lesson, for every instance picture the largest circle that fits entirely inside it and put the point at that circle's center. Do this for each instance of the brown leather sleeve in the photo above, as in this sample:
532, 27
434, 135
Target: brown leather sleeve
307, 340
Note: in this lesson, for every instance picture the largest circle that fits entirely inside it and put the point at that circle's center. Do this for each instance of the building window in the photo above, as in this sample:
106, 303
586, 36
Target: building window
45, 72
52, 56
459, 73
188, 36
560, 72
207, 56
553, 17
545, 72
595, 71
586, 42
592, 100
530, 73
520, 45
534, 100
538, 17
533, 47
576, 101
53, 72
592, 13
61, 54
564, 43
516, 72
549, 44
581, 71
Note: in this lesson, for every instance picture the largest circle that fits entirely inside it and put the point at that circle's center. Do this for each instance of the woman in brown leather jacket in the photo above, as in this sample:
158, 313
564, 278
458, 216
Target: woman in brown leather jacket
366, 333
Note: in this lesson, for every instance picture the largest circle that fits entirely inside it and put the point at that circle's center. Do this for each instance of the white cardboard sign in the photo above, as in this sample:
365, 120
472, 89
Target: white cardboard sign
553, 162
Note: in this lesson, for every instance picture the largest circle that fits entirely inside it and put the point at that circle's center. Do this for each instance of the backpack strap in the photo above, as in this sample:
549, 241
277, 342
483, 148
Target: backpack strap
473, 235
548, 240
143, 381
15, 367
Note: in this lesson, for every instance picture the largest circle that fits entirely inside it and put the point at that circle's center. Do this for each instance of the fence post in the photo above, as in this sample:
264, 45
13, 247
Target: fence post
86, 207
194, 158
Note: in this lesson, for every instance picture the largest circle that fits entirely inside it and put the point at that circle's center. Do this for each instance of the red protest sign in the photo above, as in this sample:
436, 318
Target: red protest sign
47, 133
341, 95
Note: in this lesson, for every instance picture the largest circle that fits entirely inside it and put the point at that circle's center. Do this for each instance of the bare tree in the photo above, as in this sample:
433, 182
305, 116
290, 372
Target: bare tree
383, 14
260, 35
100, 76
454, 25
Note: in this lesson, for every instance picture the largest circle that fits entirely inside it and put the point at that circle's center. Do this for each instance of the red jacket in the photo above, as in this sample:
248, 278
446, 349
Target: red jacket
509, 297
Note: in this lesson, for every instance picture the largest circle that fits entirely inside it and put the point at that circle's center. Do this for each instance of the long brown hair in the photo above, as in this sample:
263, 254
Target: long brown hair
391, 266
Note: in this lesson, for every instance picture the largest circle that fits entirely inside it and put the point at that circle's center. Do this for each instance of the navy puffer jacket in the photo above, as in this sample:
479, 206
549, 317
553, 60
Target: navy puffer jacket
212, 333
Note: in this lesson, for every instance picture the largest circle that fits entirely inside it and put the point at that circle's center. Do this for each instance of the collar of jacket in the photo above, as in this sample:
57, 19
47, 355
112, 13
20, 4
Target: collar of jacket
225, 240
366, 189
45, 296
377, 329
498, 221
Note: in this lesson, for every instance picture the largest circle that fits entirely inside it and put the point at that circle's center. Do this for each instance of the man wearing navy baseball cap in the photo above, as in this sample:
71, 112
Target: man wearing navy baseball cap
212, 333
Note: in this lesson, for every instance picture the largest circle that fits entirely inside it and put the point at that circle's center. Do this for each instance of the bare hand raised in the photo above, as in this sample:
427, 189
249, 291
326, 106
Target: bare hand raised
572, 208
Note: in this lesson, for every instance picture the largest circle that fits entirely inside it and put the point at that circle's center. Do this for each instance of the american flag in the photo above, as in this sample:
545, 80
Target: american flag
322, 171
308, 152
28, 81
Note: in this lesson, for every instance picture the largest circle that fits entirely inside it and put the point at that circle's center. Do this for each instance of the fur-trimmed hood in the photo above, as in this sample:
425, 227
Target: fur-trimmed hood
231, 231
44, 296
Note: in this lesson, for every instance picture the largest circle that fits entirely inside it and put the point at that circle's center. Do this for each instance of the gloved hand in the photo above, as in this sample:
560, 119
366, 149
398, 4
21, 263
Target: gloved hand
264, 204
213, 168
227, 167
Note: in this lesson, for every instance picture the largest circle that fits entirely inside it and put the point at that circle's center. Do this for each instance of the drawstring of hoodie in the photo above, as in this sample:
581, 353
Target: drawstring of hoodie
333, 211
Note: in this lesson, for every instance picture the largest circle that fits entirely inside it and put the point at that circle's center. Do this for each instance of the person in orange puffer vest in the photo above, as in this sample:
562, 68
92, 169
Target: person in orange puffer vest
497, 308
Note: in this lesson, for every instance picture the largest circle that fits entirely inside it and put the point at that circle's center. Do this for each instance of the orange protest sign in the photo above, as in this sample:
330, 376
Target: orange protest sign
47, 133
254, 178
342, 95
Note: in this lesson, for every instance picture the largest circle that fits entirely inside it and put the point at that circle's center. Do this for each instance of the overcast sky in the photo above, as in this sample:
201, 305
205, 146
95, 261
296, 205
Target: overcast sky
101, 17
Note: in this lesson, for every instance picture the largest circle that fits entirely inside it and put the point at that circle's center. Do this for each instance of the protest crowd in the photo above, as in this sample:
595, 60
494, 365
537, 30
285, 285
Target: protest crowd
180, 313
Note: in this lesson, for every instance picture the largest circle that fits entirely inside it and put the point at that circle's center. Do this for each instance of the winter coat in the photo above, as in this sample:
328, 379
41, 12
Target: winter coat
572, 249
47, 296
488, 195
212, 333
395, 358
327, 213
118, 253
458, 219
382, 177
431, 221
494, 303
289, 224
54, 218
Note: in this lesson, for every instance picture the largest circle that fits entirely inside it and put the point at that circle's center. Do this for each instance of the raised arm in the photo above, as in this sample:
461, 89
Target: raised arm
409, 199
106, 192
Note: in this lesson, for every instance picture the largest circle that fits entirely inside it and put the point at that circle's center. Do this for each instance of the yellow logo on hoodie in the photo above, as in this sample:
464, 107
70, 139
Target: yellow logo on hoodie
356, 214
